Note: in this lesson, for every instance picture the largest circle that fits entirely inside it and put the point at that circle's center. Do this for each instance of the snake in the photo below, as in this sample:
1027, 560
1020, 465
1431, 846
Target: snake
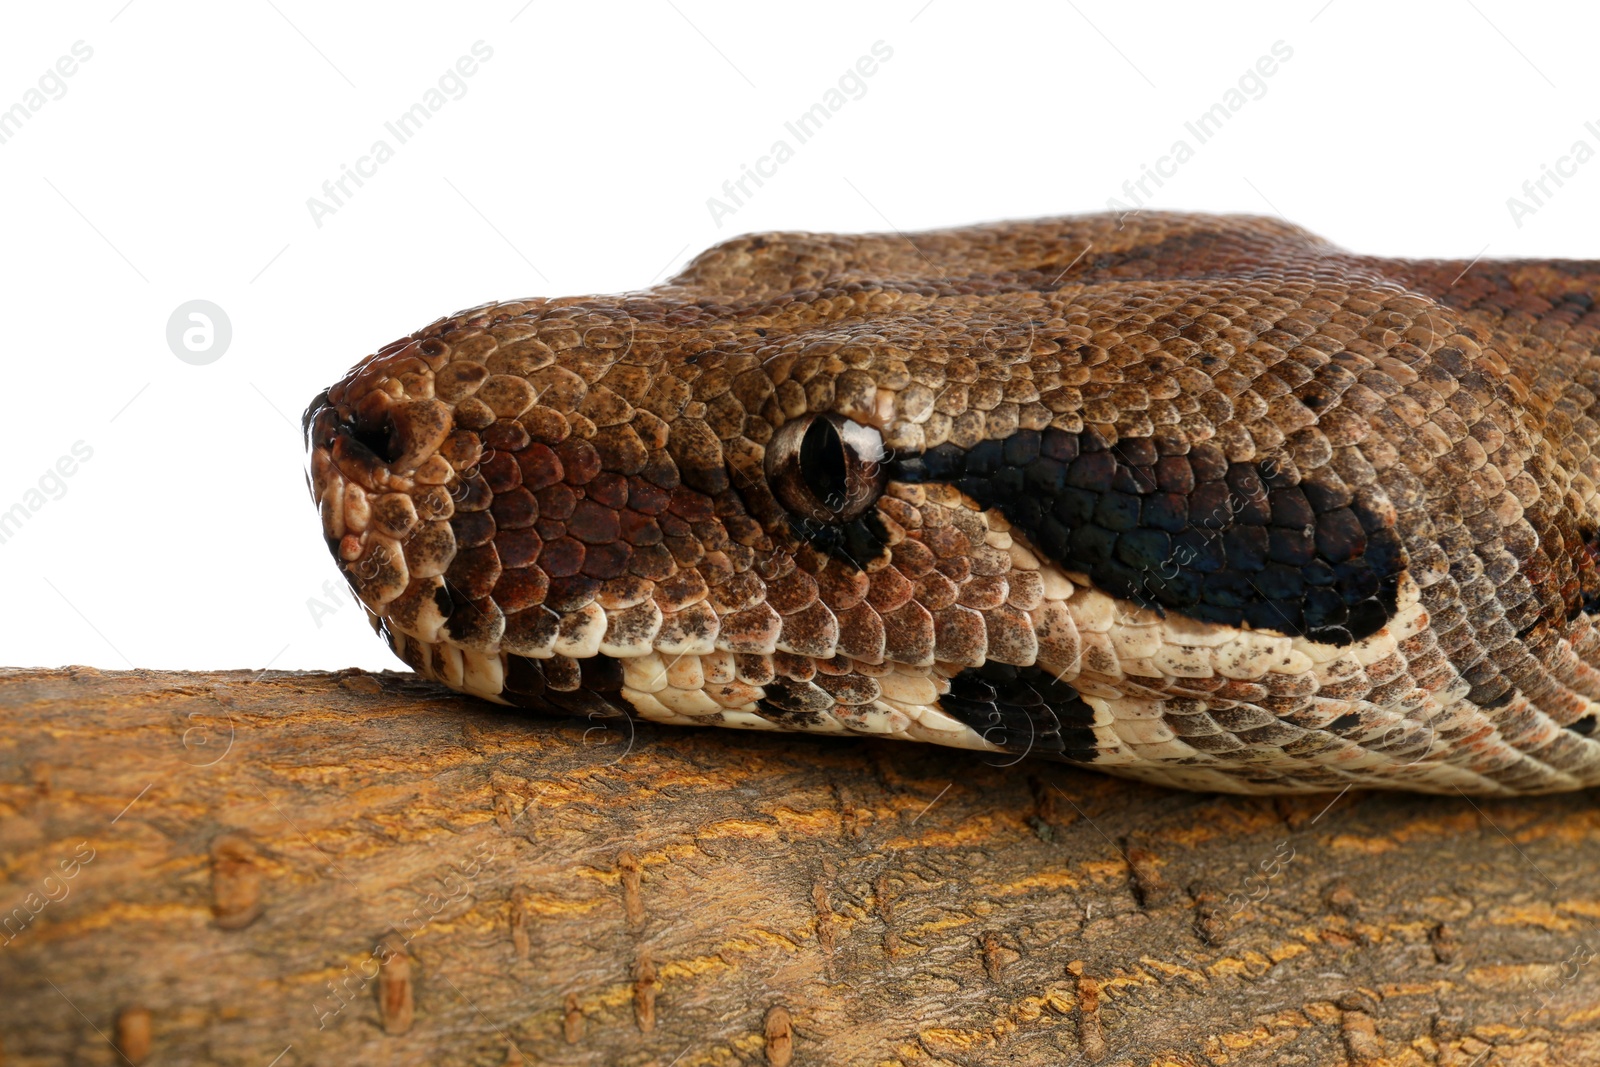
1203, 501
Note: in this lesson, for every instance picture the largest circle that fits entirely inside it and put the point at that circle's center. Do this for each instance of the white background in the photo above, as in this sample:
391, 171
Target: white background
179, 161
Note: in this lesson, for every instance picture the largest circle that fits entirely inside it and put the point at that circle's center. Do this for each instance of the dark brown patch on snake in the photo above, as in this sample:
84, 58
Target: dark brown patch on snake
1222, 542
1023, 710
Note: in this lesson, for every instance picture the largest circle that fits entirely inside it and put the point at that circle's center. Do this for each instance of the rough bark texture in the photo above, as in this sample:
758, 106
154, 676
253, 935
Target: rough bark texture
350, 868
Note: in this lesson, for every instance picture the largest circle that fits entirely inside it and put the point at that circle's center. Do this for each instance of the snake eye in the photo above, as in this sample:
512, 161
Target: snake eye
825, 467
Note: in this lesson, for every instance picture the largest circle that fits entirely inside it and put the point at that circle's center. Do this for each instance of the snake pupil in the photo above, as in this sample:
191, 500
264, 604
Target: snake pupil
824, 466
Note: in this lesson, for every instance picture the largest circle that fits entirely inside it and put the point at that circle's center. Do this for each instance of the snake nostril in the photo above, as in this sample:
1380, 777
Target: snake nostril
379, 435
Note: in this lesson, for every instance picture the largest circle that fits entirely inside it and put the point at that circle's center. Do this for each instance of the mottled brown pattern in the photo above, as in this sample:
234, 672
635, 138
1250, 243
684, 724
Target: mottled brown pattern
535, 487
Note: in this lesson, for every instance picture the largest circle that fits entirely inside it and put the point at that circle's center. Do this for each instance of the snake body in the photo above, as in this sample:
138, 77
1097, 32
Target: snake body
1204, 501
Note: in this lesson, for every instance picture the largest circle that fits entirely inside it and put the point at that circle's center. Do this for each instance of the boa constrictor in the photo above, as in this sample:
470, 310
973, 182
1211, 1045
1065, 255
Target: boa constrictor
1204, 501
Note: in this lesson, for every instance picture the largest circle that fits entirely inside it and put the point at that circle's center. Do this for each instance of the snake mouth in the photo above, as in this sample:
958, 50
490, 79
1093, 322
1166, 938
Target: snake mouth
588, 687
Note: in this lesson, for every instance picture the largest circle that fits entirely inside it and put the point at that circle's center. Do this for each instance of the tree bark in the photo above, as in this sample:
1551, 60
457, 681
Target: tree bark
306, 868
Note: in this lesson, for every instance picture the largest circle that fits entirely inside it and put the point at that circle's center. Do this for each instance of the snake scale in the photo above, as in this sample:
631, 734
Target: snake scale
1200, 500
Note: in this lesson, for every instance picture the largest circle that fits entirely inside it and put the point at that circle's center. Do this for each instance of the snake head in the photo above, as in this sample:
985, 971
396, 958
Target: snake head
536, 508
650, 504
1179, 496
657, 505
